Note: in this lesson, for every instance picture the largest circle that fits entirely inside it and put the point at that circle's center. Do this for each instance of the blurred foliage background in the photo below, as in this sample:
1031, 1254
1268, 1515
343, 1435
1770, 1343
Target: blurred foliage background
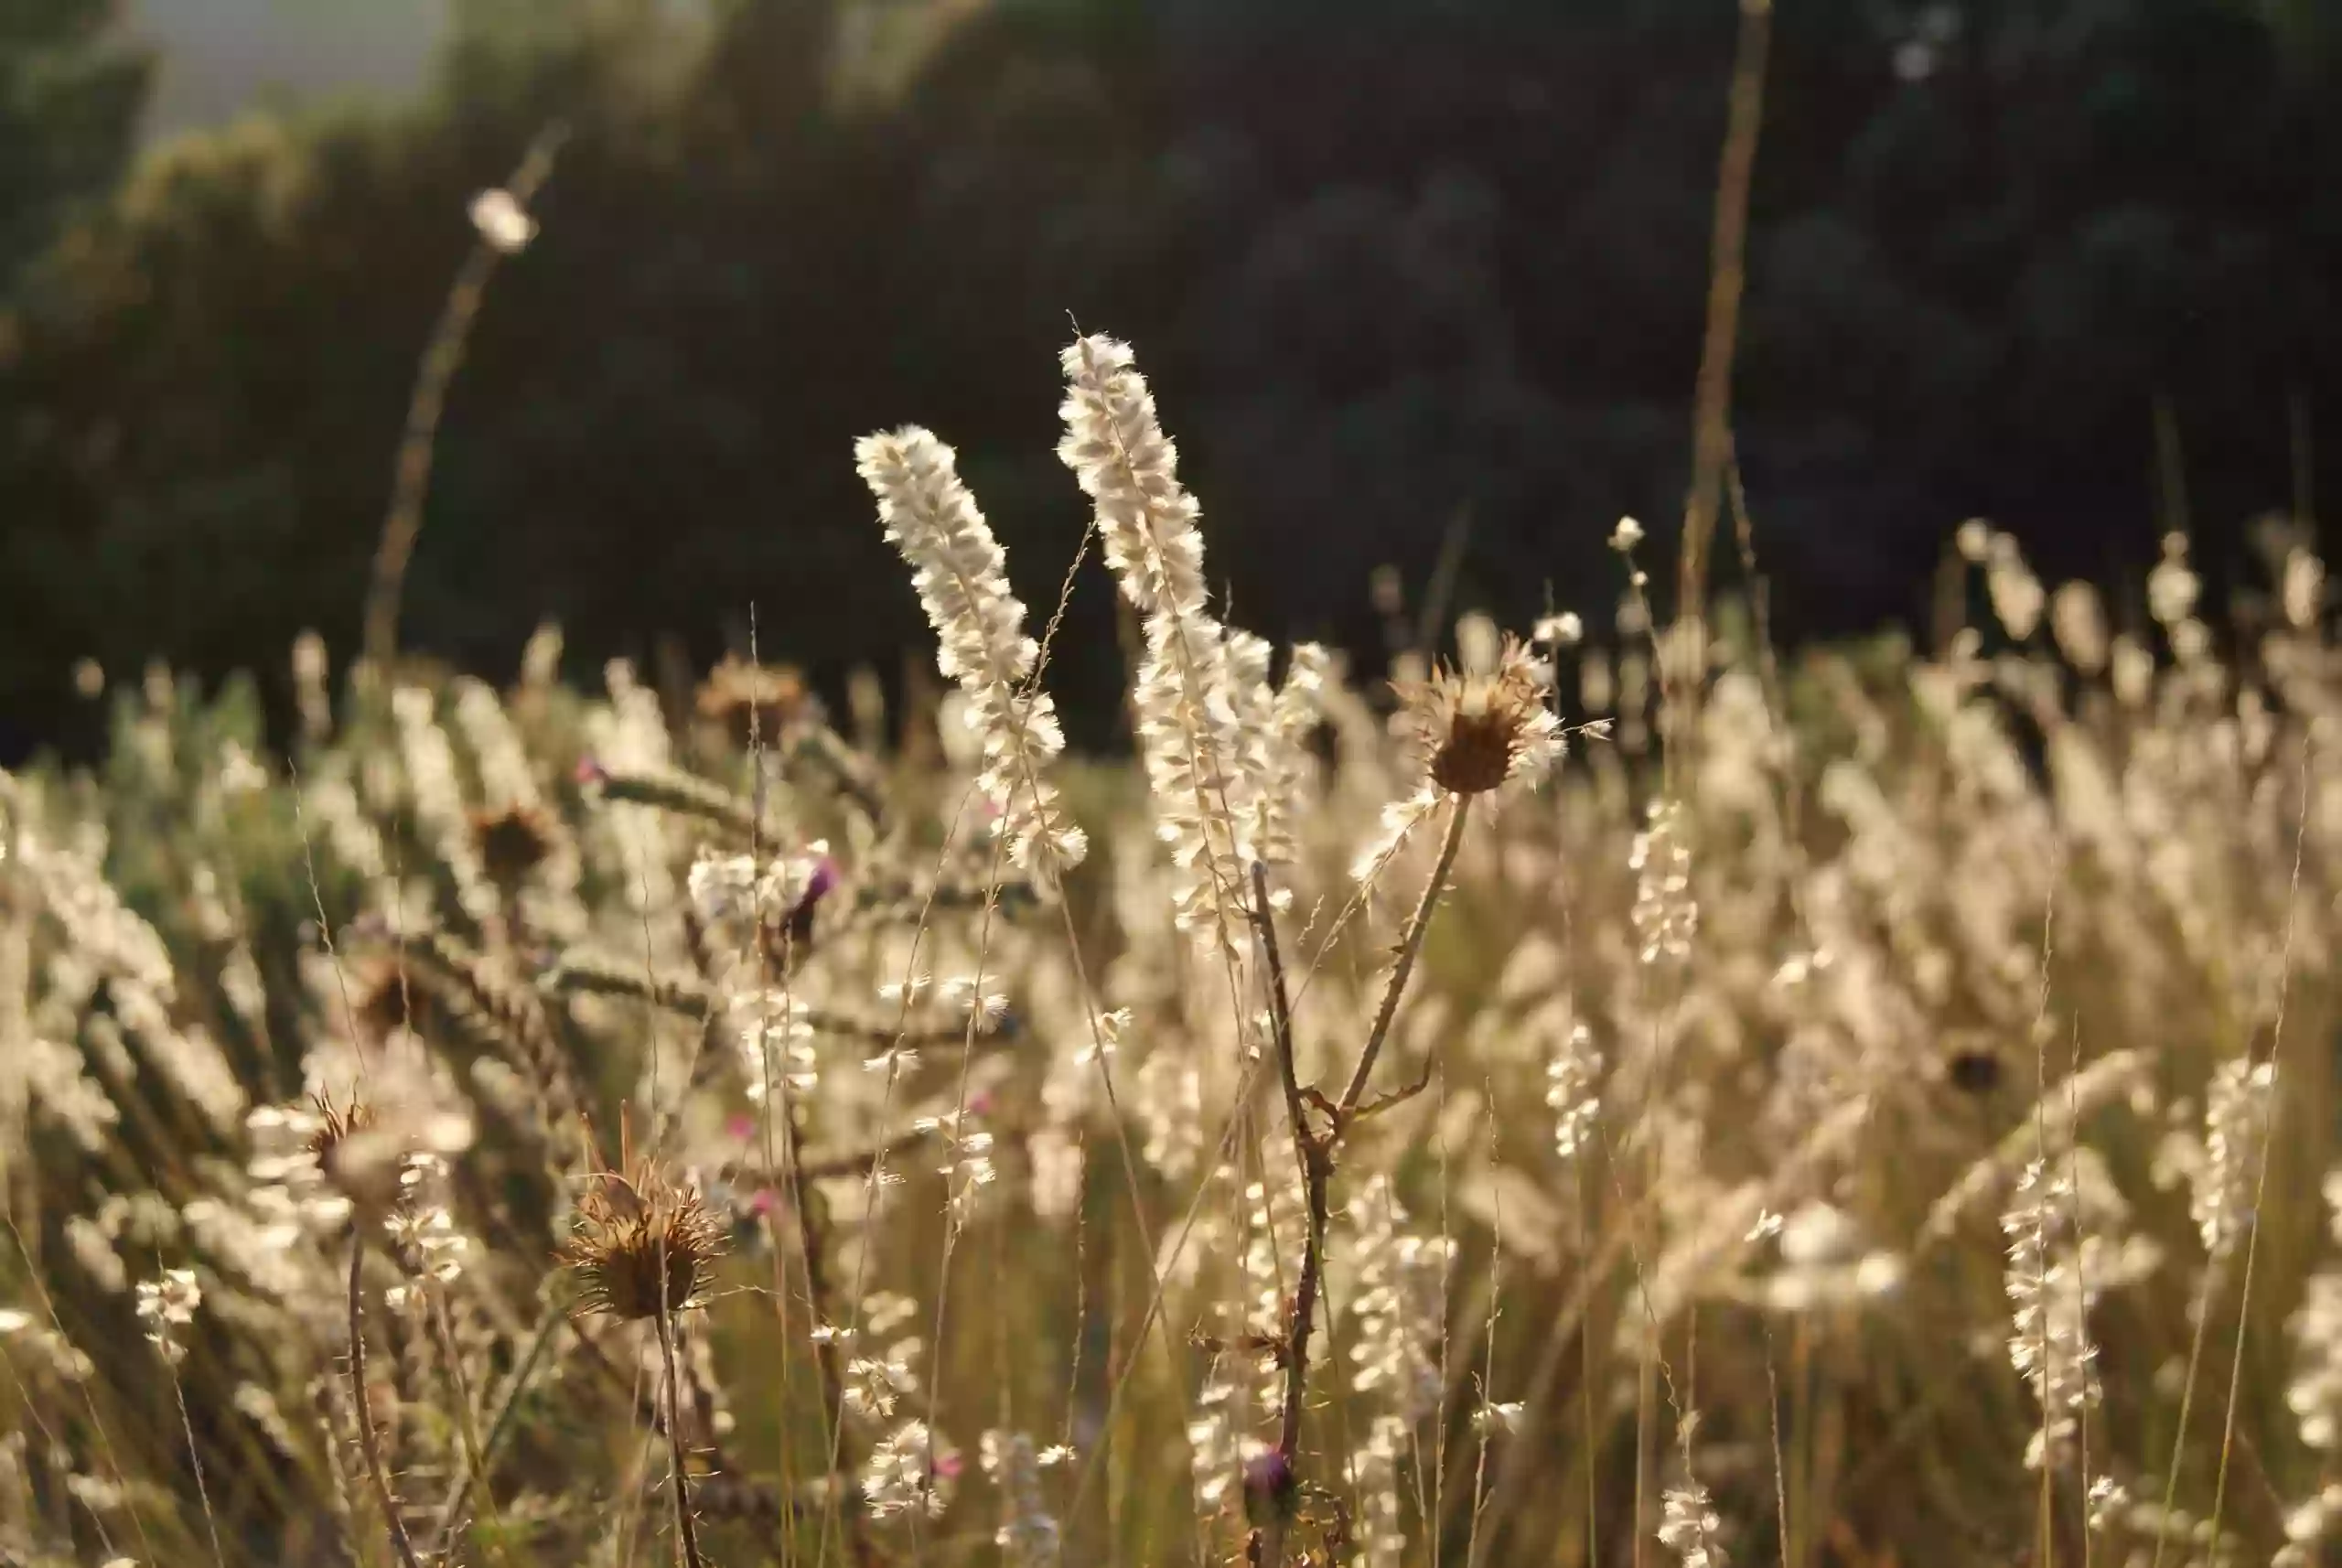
1407, 274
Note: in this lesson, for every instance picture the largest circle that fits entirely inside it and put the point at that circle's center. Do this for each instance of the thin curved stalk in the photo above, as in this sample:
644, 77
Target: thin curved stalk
411, 476
1410, 944
369, 1444
686, 1525
499, 1421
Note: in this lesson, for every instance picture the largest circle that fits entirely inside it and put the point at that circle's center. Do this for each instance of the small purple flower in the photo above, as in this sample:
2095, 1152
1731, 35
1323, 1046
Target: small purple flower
825, 876
740, 1126
1271, 1490
589, 770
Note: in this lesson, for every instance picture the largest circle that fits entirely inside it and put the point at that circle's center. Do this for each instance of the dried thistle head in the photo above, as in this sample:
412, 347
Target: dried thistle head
1478, 728
643, 1245
1974, 1070
752, 700
512, 842
335, 1123
365, 1155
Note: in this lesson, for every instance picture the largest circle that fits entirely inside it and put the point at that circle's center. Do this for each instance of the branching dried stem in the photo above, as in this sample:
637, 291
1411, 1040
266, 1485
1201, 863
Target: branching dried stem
1314, 1149
369, 1443
1312, 1152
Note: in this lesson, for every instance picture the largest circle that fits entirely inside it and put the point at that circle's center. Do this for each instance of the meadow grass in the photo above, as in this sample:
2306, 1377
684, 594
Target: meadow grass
1642, 1103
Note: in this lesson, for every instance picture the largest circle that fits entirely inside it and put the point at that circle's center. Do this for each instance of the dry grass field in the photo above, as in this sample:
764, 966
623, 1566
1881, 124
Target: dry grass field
1621, 1095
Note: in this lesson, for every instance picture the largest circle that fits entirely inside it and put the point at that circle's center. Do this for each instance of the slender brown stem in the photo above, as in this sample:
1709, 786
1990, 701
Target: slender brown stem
1780, 1472
195, 1457
411, 477
1309, 1152
686, 1525
1314, 1151
1727, 275
369, 1444
466, 1421
2269, 1110
1411, 943
549, 1324
814, 1251
1313, 1154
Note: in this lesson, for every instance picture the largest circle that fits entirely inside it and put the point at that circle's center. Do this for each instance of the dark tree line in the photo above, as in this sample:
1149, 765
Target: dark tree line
1397, 269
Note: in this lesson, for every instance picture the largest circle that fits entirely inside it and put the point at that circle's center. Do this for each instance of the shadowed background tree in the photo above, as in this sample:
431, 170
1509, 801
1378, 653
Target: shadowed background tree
70, 100
1396, 264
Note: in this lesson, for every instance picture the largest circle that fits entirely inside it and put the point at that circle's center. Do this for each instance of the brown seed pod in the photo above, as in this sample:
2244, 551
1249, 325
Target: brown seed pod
643, 1245
513, 842
1475, 730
